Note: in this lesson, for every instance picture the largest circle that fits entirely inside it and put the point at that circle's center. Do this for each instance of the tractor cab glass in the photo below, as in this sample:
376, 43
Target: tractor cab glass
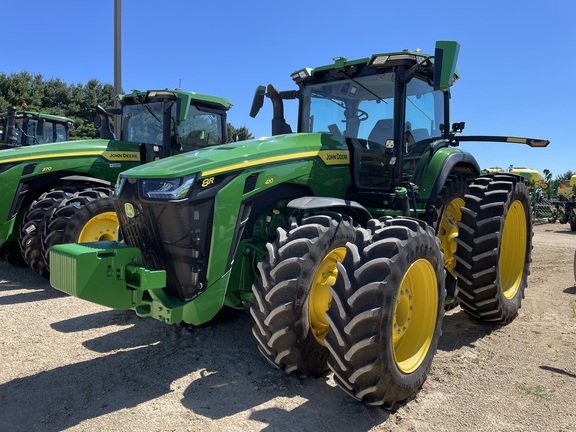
424, 122
200, 129
143, 123
352, 108
29, 132
361, 109
54, 132
147, 122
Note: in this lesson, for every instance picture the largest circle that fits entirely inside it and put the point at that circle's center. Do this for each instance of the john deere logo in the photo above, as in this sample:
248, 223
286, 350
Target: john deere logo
129, 209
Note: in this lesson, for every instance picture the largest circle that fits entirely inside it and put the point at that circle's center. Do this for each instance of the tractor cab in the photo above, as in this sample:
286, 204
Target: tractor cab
25, 128
387, 108
168, 122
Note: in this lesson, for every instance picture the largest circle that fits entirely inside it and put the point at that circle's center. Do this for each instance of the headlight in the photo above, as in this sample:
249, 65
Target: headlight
119, 183
167, 189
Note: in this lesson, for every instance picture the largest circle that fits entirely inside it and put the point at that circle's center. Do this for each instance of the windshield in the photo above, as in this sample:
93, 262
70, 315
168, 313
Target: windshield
142, 123
354, 107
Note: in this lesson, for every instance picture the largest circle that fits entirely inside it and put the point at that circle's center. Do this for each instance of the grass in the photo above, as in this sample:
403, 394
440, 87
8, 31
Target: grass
538, 392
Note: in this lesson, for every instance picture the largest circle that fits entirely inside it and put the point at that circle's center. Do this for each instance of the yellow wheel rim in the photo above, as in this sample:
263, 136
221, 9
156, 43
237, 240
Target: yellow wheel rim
513, 250
415, 316
320, 296
100, 227
448, 231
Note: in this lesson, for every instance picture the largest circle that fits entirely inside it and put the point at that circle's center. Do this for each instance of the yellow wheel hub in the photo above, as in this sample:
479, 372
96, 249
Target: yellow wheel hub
448, 231
415, 316
513, 250
320, 296
100, 227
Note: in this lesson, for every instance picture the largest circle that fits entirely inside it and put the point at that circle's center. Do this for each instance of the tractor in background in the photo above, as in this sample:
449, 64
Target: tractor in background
62, 192
343, 238
27, 128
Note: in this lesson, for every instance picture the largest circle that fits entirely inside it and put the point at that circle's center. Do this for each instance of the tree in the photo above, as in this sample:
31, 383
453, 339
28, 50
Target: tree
238, 134
53, 96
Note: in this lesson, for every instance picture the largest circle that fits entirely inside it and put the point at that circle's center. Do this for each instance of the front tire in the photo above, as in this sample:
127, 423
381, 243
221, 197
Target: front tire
494, 247
87, 216
386, 313
292, 294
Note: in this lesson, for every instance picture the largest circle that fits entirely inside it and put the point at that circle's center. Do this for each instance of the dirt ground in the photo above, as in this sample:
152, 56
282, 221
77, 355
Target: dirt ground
70, 365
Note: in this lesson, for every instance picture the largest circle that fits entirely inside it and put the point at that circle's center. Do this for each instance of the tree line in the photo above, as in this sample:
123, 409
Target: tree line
75, 101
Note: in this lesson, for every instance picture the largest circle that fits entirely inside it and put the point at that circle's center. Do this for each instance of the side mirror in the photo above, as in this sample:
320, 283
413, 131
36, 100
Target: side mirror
445, 58
258, 101
102, 122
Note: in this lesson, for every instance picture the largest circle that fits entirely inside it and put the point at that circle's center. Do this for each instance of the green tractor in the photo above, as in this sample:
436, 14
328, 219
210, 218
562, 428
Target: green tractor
342, 238
26, 128
61, 192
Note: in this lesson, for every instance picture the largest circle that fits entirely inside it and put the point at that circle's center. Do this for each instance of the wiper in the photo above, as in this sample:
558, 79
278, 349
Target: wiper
340, 103
151, 112
363, 86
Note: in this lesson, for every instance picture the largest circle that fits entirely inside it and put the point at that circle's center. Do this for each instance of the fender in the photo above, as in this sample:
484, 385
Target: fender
444, 162
93, 180
27, 188
350, 208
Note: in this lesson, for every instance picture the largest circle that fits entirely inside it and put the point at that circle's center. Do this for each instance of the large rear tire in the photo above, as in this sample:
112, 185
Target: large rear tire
34, 226
292, 294
494, 247
86, 216
386, 313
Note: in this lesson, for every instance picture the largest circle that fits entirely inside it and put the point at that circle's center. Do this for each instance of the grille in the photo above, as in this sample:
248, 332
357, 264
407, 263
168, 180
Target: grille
173, 236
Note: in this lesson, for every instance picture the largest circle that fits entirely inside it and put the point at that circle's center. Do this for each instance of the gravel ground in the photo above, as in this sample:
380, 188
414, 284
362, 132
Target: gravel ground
71, 365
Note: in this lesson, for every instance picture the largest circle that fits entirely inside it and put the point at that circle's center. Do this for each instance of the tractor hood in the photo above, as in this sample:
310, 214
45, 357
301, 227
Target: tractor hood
109, 149
64, 149
246, 154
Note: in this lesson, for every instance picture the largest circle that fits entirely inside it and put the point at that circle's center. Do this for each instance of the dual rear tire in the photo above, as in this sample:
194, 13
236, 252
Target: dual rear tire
377, 328
69, 214
494, 247
364, 303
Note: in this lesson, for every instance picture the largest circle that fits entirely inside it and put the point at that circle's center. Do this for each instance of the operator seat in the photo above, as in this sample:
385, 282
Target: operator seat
382, 131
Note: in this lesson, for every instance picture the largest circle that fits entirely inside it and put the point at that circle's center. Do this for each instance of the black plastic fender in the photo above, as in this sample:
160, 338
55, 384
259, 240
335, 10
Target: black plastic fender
351, 208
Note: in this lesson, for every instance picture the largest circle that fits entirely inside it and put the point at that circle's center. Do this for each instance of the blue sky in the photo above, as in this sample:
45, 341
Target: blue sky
513, 60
